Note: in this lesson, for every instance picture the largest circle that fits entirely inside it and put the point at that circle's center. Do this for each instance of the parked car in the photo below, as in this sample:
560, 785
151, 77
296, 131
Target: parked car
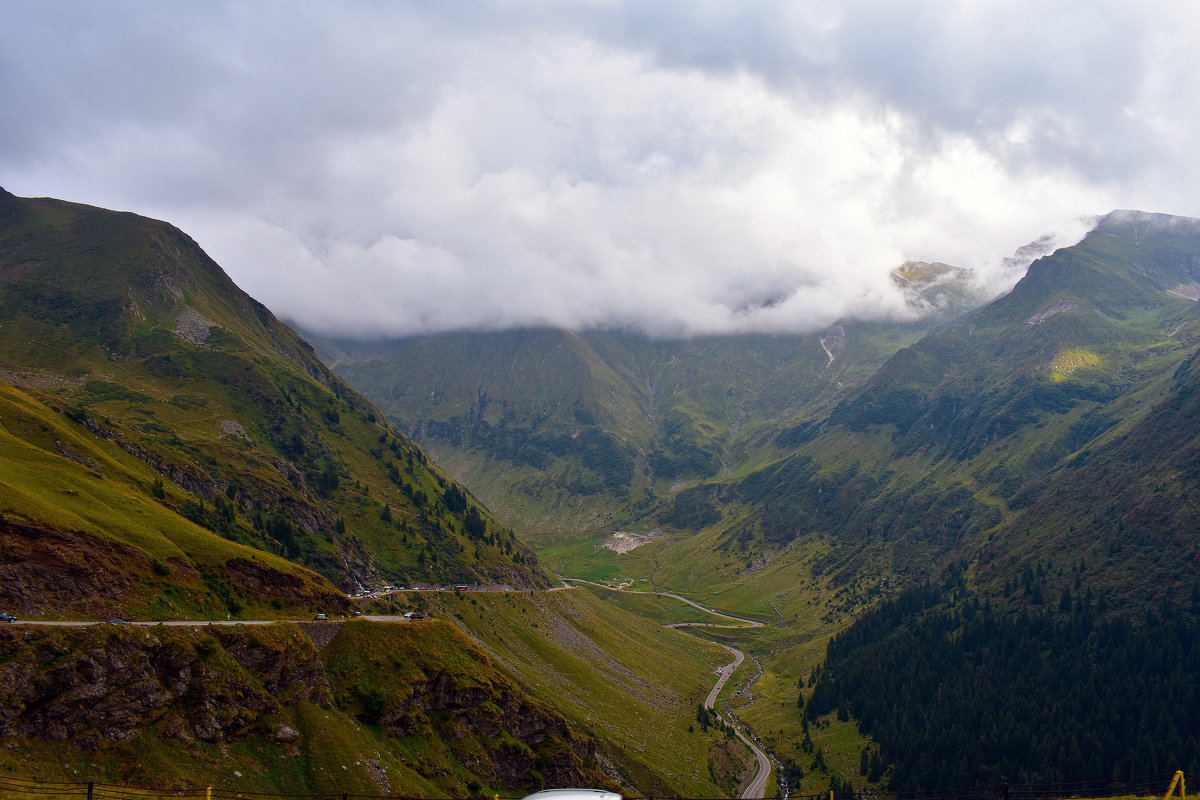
320, 618
7, 617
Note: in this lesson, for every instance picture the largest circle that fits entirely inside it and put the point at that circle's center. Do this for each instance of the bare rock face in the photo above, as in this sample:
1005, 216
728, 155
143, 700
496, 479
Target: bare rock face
45, 570
110, 688
285, 734
41, 568
262, 581
507, 738
105, 684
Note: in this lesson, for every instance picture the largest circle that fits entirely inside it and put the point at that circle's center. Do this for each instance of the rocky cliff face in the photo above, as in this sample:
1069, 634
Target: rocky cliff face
45, 571
103, 684
505, 736
428, 680
425, 710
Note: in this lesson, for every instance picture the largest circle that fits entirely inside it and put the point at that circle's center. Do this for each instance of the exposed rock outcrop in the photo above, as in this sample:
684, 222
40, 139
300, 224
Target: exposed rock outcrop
105, 684
121, 688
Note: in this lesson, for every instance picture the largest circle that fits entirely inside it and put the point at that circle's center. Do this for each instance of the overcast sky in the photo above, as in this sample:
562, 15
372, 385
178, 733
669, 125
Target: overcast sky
679, 167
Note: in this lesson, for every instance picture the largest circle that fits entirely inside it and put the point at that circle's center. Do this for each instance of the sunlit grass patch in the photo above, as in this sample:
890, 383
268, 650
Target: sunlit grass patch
1069, 360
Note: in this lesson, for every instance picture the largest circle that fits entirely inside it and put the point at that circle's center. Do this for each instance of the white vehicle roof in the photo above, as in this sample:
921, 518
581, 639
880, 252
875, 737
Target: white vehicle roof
573, 794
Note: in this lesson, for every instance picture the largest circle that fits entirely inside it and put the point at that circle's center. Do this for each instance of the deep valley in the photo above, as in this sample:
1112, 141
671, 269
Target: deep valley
929, 516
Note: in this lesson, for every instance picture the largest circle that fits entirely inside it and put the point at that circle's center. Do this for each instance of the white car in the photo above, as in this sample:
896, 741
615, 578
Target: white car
573, 794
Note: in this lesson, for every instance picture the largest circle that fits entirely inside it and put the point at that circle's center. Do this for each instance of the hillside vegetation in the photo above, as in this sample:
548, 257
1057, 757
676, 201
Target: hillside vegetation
413, 709
630, 683
566, 433
137, 370
1041, 446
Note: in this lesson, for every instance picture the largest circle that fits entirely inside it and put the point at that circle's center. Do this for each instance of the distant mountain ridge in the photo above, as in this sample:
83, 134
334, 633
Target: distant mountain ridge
612, 419
866, 432
974, 501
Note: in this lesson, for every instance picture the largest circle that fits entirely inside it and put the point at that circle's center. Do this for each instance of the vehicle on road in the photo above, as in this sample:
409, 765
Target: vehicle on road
573, 794
320, 618
117, 622
5, 617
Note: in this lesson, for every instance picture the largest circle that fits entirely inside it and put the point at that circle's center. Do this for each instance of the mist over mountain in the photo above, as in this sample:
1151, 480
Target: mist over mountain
678, 172
1026, 469
1017, 474
706, 301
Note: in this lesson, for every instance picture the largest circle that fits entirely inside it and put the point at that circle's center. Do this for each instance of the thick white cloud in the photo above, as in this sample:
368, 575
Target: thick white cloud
704, 167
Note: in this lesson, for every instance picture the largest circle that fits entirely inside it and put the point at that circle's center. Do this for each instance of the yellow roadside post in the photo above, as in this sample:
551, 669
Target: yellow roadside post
1177, 780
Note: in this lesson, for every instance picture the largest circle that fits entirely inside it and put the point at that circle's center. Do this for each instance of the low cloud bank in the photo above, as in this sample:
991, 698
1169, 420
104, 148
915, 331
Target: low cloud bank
387, 170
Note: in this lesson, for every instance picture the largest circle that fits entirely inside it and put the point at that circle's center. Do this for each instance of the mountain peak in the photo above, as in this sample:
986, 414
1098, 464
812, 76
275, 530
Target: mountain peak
1145, 221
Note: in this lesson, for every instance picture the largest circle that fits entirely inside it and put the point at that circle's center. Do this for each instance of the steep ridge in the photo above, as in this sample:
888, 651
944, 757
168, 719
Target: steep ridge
947, 443
1067, 630
137, 342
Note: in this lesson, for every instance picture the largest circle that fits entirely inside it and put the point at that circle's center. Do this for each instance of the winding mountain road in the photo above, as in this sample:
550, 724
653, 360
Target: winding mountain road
758, 786
197, 623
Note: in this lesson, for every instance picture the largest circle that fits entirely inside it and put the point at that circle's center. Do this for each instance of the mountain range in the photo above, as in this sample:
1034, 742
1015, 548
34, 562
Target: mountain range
1036, 451
903, 497
905, 444
170, 451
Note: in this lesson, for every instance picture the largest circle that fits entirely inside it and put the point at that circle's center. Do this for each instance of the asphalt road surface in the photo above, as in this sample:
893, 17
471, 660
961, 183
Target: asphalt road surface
196, 623
758, 786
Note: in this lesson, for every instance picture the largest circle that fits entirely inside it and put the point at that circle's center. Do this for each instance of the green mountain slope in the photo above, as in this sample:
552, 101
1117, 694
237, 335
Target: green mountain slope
941, 448
139, 343
630, 683
84, 535
1056, 428
944, 448
567, 433
1037, 449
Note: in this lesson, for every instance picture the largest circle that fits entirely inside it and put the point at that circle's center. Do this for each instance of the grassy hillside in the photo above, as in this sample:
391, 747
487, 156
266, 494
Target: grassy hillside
85, 535
630, 683
1043, 444
131, 336
414, 710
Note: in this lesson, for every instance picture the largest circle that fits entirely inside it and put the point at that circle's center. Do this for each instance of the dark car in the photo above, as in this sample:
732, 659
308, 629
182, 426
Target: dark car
117, 622
7, 617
